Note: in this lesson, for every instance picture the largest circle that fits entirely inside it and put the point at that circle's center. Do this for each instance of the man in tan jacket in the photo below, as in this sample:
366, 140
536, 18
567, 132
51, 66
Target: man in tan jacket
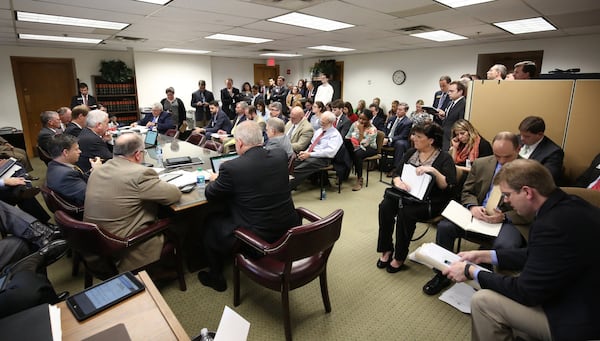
299, 130
123, 197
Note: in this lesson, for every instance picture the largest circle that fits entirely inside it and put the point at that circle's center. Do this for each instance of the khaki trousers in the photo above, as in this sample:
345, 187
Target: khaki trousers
496, 317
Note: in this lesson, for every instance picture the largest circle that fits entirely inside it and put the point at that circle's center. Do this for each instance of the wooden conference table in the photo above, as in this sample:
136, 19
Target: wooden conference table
146, 316
177, 148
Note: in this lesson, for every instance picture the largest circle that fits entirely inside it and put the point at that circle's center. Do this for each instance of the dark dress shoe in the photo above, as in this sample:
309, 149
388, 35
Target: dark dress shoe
29, 177
392, 269
53, 251
27, 193
215, 281
62, 296
382, 265
436, 284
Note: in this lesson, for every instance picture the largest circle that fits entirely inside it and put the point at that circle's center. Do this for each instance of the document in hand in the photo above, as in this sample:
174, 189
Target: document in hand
419, 184
435, 256
462, 217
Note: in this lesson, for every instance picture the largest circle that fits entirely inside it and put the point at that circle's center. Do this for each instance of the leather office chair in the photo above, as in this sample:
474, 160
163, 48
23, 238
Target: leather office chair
294, 260
101, 249
589, 195
44, 156
171, 132
197, 139
376, 157
214, 146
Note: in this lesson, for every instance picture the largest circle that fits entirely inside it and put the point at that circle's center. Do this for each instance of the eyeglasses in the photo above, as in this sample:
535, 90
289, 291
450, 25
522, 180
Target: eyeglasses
506, 195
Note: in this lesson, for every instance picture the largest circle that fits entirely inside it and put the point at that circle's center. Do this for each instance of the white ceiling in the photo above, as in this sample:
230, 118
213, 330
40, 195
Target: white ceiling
185, 23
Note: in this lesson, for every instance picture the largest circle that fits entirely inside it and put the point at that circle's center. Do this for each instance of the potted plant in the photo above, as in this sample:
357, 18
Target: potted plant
323, 66
115, 71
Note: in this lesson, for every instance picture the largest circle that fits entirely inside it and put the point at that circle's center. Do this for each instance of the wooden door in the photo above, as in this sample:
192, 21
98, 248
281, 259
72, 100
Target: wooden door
42, 84
261, 71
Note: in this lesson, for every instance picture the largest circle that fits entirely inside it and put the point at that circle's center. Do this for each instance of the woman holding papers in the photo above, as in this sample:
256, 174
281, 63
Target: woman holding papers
467, 145
427, 157
363, 138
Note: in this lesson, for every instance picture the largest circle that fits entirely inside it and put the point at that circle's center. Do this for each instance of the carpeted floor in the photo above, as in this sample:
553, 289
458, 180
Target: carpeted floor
367, 303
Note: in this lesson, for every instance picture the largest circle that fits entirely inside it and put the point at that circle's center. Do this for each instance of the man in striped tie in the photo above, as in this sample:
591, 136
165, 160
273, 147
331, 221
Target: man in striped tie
324, 145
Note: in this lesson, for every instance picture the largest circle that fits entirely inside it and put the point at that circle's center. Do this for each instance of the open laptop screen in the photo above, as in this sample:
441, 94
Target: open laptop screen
216, 161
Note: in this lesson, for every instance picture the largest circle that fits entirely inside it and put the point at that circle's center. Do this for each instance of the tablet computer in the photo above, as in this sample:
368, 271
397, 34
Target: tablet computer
104, 295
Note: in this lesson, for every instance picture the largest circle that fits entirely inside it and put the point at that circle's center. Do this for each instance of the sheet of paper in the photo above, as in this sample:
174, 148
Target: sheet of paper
462, 217
184, 179
494, 200
232, 327
418, 183
55, 322
459, 296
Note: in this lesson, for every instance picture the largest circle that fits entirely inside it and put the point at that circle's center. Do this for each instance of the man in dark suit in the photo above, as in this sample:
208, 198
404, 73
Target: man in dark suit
441, 99
63, 176
218, 121
555, 295
261, 204
591, 177
538, 147
342, 122
397, 132
78, 116
475, 194
256, 96
279, 94
453, 112
84, 98
50, 127
158, 119
379, 117
229, 96
93, 140
200, 100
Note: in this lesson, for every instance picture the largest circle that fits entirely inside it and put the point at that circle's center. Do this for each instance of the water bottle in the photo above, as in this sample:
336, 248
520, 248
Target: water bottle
200, 182
323, 194
204, 335
159, 156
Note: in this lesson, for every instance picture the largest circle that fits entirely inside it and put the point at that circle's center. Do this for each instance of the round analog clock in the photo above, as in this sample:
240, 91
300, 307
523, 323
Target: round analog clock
399, 77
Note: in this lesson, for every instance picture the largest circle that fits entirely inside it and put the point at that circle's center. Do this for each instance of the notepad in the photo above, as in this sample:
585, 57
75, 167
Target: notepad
419, 185
462, 217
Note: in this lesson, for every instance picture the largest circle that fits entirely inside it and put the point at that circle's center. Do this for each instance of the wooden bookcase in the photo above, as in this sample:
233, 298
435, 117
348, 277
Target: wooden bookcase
120, 99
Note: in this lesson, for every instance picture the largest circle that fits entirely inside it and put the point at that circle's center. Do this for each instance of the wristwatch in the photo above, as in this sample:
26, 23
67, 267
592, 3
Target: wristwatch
467, 273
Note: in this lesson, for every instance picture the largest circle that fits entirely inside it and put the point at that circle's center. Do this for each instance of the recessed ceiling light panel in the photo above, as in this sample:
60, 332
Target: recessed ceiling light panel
461, 3
170, 50
439, 36
157, 2
243, 39
59, 38
538, 24
69, 21
277, 54
309, 21
330, 48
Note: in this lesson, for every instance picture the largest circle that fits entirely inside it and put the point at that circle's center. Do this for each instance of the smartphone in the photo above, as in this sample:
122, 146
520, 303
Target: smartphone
104, 295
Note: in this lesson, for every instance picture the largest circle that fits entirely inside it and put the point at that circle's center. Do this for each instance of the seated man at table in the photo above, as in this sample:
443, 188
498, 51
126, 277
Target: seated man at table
218, 120
157, 119
78, 117
261, 204
63, 176
324, 145
93, 140
123, 197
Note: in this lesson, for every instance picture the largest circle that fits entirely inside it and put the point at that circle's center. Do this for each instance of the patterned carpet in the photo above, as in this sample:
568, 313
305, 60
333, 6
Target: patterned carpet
367, 303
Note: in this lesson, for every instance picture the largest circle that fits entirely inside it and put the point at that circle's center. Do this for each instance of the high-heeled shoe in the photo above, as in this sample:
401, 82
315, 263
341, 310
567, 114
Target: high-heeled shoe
384, 264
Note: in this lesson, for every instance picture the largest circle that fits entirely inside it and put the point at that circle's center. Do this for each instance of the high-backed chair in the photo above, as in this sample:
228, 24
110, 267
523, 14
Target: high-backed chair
44, 156
376, 157
196, 139
55, 202
589, 195
296, 259
214, 146
101, 249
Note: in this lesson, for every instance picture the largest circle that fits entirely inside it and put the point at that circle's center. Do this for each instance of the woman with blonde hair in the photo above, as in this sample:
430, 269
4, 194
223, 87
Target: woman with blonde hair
467, 144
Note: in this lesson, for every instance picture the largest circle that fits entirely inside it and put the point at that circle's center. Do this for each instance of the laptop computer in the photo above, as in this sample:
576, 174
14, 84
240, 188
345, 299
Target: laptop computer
151, 138
216, 161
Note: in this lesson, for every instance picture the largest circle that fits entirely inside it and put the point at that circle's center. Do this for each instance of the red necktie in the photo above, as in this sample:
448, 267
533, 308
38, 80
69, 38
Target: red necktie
314, 144
596, 186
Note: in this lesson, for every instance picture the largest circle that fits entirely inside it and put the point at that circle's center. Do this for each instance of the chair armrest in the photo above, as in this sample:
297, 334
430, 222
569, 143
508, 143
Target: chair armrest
307, 214
148, 232
251, 239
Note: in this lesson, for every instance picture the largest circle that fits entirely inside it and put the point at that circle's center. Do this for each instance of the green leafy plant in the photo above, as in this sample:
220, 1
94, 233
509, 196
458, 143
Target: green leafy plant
323, 66
115, 71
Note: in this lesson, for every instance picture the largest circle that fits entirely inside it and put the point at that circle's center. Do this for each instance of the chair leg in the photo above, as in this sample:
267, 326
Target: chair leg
325, 291
236, 285
458, 245
88, 279
368, 166
339, 181
285, 301
75, 267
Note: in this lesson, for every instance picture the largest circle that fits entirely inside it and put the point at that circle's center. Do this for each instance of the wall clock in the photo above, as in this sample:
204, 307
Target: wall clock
399, 77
